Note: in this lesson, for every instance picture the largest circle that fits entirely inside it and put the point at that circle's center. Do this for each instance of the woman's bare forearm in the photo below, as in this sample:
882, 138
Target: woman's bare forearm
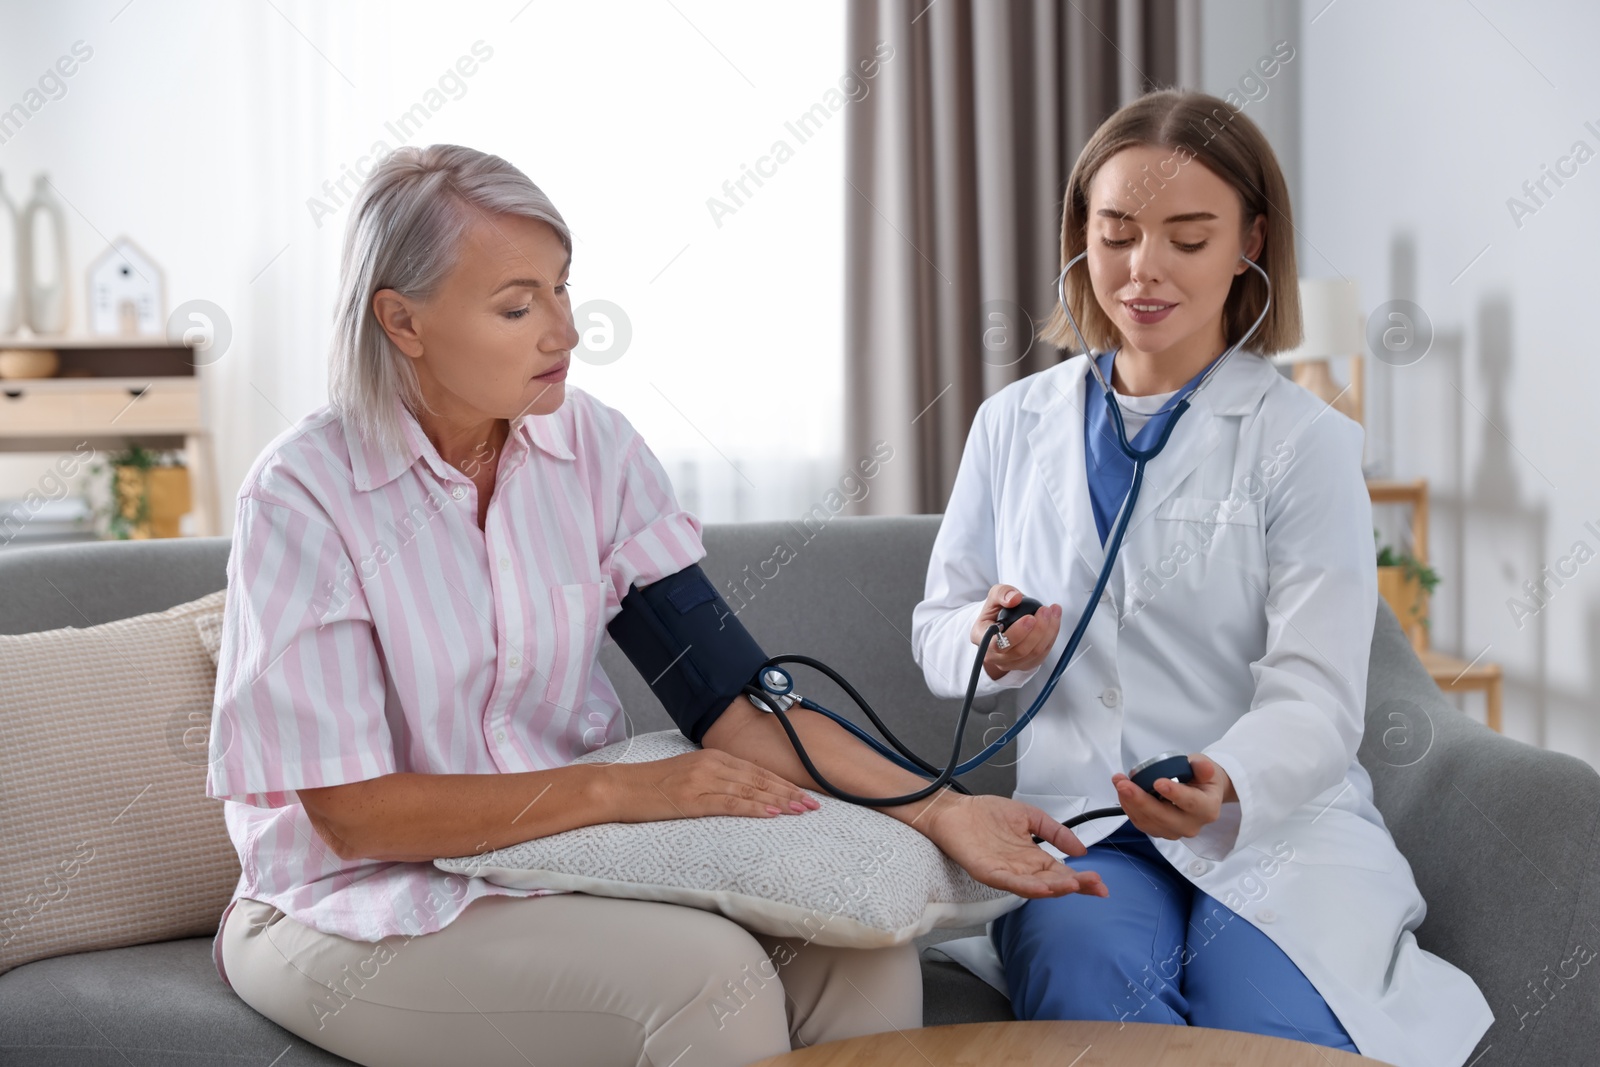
419, 817
757, 736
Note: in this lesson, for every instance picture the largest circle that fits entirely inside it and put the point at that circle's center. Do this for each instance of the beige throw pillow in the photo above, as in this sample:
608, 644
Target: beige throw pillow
108, 836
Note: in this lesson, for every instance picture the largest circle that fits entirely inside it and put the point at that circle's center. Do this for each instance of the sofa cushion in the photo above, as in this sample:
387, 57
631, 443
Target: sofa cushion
155, 1005
109, 837
842, 875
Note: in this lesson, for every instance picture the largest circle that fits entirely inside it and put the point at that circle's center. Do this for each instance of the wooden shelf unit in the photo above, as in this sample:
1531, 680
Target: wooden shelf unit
132, 390
1452, 674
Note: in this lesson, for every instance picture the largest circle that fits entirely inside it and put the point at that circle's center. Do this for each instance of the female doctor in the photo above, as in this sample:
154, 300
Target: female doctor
1266, 895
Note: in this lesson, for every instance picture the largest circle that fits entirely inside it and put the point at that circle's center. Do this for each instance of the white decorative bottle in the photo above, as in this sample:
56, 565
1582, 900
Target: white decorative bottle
44, 227
10, 265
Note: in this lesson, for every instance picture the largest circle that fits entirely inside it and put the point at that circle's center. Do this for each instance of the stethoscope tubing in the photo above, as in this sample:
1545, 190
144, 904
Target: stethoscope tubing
895, 750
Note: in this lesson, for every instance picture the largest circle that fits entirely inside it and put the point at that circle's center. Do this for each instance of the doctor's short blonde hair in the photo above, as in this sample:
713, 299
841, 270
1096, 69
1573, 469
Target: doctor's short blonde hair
1204, 129
404, 233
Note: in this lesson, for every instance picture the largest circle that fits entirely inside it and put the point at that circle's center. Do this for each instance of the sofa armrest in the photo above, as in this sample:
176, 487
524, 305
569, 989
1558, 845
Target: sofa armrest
1502, 839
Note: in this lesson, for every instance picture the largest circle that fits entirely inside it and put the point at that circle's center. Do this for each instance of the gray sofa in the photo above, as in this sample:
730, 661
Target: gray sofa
1502, 836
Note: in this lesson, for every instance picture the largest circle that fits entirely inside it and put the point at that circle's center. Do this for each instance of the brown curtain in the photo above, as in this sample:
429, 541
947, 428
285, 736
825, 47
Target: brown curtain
956, 163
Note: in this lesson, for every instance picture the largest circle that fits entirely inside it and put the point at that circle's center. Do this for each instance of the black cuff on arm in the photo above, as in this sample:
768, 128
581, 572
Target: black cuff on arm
684, 640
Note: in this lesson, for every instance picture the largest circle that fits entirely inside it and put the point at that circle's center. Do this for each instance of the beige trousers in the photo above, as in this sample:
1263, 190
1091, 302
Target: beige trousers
564, 981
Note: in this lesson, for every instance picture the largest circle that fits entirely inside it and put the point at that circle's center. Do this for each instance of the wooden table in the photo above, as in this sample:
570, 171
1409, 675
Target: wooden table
1067, 1044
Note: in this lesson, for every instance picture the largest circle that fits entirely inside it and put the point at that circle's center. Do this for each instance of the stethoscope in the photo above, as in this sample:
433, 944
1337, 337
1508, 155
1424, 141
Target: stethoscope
775, 690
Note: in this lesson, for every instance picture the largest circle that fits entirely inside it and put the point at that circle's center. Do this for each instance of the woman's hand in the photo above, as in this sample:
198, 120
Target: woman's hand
1185, 809
1031, 636
992, 838
706, 782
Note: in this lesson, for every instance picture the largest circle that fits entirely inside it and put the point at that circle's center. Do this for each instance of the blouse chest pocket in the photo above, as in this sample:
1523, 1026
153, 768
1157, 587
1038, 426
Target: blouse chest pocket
579, 611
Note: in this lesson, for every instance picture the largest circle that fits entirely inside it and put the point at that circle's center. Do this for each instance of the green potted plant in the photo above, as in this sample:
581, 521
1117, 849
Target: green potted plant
1406, 584
148, 493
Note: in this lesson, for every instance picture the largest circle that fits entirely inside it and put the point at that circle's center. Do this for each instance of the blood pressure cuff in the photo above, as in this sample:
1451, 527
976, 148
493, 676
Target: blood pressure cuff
682, 637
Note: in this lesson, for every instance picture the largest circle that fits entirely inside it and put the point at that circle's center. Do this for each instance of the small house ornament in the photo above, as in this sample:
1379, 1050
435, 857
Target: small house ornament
126, 292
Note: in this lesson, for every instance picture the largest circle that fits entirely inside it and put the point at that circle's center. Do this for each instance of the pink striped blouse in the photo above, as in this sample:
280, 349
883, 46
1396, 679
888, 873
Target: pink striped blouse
372, 627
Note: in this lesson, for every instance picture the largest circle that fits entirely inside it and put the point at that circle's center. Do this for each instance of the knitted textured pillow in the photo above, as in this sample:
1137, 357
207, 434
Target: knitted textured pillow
842, 875
109, 837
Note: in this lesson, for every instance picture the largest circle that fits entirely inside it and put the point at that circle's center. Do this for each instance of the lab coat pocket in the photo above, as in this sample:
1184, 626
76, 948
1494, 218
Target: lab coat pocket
1203, 547
1230, 512
579, 611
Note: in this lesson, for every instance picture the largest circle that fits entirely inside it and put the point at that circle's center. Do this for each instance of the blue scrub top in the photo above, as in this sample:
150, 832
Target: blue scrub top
1110, 471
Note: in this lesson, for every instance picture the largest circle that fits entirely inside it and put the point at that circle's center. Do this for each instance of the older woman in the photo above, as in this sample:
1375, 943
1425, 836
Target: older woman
420, 580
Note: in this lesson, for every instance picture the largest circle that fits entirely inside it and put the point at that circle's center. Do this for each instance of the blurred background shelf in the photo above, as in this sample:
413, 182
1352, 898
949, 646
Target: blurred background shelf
109, 393
1451, 673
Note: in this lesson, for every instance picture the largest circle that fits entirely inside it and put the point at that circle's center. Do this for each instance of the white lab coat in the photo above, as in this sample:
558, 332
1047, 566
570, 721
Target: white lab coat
1237, 622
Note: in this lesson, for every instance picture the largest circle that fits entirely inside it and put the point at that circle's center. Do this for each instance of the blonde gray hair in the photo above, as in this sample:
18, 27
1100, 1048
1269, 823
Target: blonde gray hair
404, 233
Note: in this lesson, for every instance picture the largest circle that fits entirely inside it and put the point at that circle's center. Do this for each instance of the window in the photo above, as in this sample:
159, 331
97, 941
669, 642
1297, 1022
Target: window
669, 135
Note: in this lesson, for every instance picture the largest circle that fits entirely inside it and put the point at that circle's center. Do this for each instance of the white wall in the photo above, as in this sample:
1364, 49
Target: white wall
1235, 36
1417, 123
